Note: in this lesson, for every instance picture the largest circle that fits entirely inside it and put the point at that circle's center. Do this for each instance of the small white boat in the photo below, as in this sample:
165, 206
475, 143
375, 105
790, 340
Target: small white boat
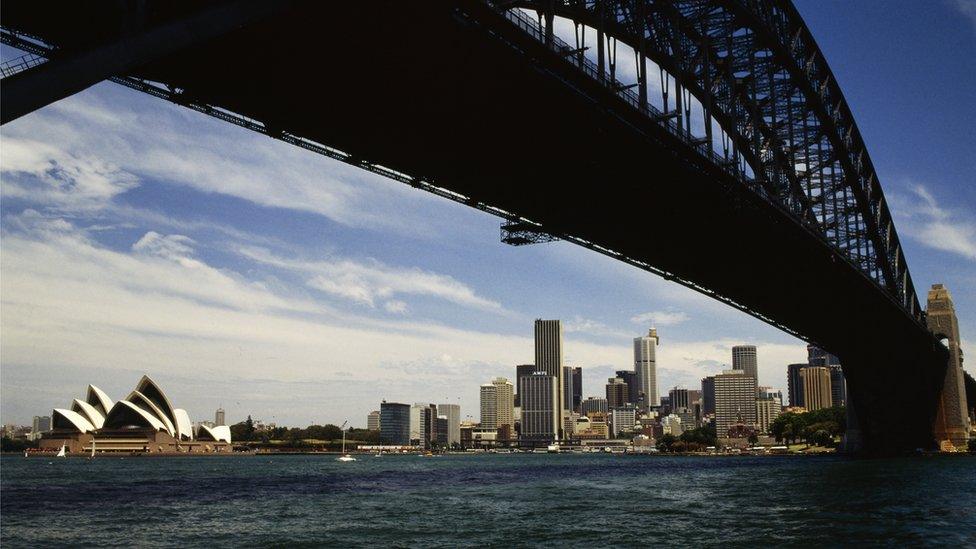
61, 453
344, 456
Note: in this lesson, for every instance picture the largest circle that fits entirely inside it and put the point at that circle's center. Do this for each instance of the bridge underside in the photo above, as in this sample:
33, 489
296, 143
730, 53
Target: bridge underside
442, 93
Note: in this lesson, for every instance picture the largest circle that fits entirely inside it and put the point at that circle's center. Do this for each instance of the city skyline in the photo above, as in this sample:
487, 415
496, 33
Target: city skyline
278, 252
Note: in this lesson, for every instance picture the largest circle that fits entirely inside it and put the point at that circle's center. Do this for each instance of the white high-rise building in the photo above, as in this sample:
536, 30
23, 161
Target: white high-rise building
645, 366
453, 414
373, 421
498, 405
549, 359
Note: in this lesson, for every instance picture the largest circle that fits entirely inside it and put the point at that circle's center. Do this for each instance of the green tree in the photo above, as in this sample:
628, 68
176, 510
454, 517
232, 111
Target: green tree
753, 438
666, 443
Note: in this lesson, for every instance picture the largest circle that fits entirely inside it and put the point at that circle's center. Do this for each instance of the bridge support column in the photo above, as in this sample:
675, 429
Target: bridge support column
952, 418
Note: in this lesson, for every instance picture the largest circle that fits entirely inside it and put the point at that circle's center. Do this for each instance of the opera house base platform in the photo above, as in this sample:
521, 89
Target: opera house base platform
129, 442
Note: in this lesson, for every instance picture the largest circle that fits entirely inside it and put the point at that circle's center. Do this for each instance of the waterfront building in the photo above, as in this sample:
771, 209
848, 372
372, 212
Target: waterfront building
617, 395
144, 421
417, 422
735, 400
497, 405
633, 389
744, 358
549, 359
441, 432
453, 414
577, 397
816, 387
594, 404
794, 384
395, 423
623, 419
521, 371
219, 417
373, 421
767, 409
568, 391
645, 367
540, 420
708, 395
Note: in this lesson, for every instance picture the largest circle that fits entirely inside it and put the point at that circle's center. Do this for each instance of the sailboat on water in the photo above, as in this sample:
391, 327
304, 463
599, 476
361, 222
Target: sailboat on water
344, 456
62, 453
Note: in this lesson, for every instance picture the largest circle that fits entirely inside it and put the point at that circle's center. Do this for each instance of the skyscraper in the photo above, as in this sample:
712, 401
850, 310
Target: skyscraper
819, 357
795, 384
568, 391
735, 400
521, 371
767, 409
838, 385
540, 420
816, 387
219, 417
549, 359
40, 425
395, 423
497, 403
684, 398
708, 395
645, 366
616, 393
577, 389
744, 358
373, 421
453, 414
633, 389
622, 420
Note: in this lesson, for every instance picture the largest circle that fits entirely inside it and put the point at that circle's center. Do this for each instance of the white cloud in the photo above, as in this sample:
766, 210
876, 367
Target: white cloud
923, 219
369, 281
660, 318
395, 306
59, 179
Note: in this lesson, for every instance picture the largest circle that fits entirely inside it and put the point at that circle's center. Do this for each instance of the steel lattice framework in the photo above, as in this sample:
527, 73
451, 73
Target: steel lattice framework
758, 75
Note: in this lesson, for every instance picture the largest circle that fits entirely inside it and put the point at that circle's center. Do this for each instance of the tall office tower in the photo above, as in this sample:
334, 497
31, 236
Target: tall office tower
767, 409
219, 417
593, 405
633, 389
952, 418
521, 371
735, 400
816, 387
744, 358
453, 414
568, 391
838, 385
442, 431
540, 395
616, 392
577, 388
708, 395
794, 384
497, 405
417, 422
622, 420
819, 357
428, 425
395, 423
645, 366
373, 421
549, 359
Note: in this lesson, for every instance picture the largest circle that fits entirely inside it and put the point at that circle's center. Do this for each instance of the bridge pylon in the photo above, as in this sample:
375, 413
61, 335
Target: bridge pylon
951, 428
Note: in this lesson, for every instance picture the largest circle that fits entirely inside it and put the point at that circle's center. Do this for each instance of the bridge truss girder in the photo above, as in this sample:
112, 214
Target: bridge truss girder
756, 70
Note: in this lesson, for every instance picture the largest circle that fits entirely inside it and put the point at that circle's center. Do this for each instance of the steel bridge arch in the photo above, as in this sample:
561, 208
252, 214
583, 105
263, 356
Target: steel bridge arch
755, 68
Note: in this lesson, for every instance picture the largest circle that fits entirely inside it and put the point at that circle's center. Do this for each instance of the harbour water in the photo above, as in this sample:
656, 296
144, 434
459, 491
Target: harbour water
495, 500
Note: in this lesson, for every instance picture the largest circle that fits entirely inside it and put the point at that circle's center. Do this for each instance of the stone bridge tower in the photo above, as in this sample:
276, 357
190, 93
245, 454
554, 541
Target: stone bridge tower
952, 419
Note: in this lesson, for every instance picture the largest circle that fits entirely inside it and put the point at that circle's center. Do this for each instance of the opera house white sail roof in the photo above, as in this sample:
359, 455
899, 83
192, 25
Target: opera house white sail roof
146, 407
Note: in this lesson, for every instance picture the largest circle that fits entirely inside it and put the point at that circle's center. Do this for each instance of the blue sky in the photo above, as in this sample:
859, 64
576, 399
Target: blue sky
139, 237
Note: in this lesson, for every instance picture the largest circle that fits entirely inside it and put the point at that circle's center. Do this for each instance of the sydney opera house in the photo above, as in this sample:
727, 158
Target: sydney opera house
144, 421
